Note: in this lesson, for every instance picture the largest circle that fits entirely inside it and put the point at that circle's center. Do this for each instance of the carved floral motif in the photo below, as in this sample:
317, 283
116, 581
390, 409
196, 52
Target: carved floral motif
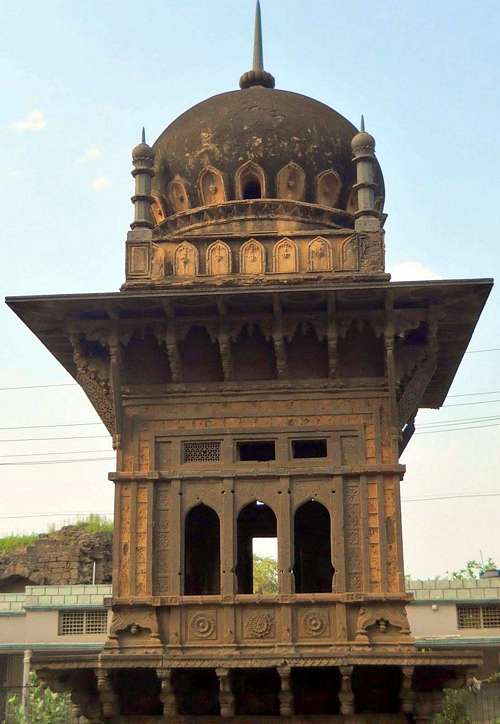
202, 626
315, 623
260, 626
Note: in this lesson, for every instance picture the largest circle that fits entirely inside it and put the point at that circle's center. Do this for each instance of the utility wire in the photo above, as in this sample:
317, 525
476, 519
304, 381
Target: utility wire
65, 452
46, 439
56, 462
455, 496
53, 515
40, 427
458, 421
456, 429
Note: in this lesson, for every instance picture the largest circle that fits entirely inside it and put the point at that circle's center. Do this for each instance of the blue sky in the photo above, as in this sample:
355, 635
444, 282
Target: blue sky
78, 82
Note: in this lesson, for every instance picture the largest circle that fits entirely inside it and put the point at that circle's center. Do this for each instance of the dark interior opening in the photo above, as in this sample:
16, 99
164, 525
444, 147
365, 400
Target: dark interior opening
309, 448
256, 520
145, 361
200, 357
376, 689
313, 568
196, 692
202, 552
15, 584
139, 692
307, 356
256, 692
260, 451
353, 358
316, 690
253, 355
252, 188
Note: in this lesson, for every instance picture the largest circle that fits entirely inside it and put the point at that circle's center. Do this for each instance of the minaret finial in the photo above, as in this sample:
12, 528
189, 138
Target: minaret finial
257, 76
143, 135
258, 51
362, 127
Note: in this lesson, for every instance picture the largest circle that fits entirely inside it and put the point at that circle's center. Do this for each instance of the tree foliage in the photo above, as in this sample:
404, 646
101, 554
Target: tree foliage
45, 707
265, 574
472, 569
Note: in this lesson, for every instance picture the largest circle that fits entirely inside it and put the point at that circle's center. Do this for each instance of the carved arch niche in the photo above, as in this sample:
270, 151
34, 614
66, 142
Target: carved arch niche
349, 253
157, 210
252, 257
320, 255
291, 182
211, 185
218, 259
285, 257
178, 195
328, 187
250, 181
186, 260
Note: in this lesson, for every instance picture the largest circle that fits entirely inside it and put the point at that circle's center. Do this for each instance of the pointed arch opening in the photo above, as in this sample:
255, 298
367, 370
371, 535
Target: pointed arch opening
328, 188
307, 356
313, 568
145, 361
253, 356
255, 521
250, 181
200, 356
178, 195
202, 552
211, 186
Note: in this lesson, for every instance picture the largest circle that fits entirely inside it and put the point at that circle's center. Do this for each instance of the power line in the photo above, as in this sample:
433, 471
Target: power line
459, 421
52, 515
39, 387
454, 496
46, 439
65, 452
476, 351
476, 394
463, 404
456, 429
40, 427
56, 462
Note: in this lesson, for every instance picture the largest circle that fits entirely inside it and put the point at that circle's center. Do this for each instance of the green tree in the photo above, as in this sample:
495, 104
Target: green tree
265, 574
45, 707
472, 569
454, 710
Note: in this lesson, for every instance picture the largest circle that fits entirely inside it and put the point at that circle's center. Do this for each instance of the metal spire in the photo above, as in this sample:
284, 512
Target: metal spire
362, 127
143, 135
258, 52
257, 76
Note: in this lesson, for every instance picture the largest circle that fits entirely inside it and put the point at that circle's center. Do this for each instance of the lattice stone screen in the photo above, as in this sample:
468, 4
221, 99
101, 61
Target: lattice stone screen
74, 623
201, 452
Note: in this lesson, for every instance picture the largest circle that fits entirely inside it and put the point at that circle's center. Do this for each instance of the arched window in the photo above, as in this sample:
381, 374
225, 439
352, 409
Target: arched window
291, 182
328, 186
211, 185
202, 552
256, 520
178, 195
250, 181
313, 553
157, 210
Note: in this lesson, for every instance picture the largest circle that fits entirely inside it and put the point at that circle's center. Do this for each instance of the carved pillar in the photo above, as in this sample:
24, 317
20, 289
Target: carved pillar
278, 339
346, 694
286, 694
391, 372
116, 385
226, 696
174, 358
176, 537
332, 335
224, 341
167, 694
109, 699
227, 538
285, 538
406, 694
337, 535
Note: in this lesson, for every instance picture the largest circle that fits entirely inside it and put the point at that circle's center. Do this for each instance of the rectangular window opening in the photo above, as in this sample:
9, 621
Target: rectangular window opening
74, 623
265, 565
260, 451
469, 616
309, 448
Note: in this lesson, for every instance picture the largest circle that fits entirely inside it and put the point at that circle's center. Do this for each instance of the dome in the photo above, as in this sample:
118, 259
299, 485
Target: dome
263, 130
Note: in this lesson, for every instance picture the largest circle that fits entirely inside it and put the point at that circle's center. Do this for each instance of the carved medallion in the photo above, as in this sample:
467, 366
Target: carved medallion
202, 626
315, 623
260, 626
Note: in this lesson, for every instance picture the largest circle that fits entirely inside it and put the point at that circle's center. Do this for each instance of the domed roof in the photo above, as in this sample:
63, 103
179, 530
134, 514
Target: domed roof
268, 126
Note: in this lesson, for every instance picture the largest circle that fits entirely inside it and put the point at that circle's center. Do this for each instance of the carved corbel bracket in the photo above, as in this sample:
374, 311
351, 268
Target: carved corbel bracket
134, 621
94, 379
380, 616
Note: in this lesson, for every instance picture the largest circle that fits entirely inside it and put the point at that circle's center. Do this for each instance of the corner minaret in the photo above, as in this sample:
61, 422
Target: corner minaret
363, 147
257, 76
143, 160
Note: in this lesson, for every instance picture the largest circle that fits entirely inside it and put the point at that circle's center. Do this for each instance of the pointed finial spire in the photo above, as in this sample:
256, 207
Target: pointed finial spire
258, 50
143, 139
257, 76
362, 127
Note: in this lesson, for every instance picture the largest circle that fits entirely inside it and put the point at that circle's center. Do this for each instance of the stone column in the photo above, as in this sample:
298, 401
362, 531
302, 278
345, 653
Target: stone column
109, 699
167, 694
285, 537
26, 682
346, 694
286, 694
226, 696
406, 694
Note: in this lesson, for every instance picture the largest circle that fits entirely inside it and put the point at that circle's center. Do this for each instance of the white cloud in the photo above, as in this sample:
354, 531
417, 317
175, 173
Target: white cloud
101, 182
412, 271
32, 123
91, 154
